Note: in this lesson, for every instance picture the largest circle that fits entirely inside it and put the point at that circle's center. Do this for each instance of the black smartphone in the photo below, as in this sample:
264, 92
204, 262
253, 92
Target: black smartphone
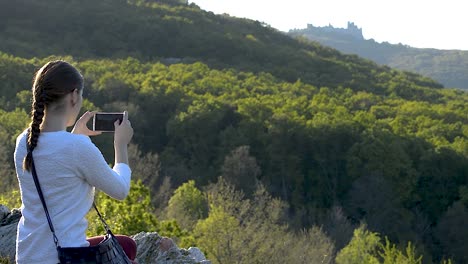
105, 121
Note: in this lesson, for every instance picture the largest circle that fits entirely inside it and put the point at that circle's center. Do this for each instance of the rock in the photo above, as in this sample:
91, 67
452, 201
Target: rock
8, 223
151, 248
8, 241
198, 255
11, 218
4, 211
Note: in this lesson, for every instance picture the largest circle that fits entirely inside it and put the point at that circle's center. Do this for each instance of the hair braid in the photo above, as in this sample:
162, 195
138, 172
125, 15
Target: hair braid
34, 130
37, 114
51, 83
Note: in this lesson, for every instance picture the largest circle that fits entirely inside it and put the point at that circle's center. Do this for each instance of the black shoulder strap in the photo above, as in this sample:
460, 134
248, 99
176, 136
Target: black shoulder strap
41, 196
102, 218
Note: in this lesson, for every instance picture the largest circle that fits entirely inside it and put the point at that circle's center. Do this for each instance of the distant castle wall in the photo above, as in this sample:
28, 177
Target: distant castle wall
181, 2
351, 30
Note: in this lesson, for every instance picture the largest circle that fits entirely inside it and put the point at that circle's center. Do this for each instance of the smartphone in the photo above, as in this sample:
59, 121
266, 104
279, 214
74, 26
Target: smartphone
105, 121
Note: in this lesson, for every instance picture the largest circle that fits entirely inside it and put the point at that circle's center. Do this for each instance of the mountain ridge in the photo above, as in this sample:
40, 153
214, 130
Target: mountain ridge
154, 31
450, 67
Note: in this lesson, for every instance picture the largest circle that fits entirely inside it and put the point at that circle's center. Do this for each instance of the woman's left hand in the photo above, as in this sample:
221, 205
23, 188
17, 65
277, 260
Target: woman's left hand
82, 128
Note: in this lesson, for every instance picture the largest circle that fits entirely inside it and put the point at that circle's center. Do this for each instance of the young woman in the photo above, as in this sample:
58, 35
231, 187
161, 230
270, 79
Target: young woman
69, 167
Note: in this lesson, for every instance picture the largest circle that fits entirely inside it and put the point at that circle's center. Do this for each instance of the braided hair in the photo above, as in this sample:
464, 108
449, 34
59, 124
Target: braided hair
51, 83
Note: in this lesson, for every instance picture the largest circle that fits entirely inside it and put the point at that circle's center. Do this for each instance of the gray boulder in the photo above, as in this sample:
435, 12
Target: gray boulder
198, 255
8, 223
4, 211
152, 248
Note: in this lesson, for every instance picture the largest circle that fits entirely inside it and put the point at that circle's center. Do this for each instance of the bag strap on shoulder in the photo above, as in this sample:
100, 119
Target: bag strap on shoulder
41, 196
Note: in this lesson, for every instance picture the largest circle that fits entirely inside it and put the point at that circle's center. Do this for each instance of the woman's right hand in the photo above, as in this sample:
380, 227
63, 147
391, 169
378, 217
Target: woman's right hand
123, 131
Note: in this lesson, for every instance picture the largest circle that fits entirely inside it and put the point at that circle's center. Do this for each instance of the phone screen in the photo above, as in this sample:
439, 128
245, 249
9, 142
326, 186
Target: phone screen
105, 121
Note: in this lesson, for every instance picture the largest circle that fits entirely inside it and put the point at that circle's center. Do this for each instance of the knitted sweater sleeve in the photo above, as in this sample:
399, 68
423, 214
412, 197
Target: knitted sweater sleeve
94, 169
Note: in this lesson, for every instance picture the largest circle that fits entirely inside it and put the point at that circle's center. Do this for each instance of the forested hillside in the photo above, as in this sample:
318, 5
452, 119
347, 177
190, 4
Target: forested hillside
245, 137
115, 29
449, 67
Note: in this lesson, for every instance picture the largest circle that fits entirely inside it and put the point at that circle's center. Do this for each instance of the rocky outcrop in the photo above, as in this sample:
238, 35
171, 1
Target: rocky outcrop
151, 247
8, 222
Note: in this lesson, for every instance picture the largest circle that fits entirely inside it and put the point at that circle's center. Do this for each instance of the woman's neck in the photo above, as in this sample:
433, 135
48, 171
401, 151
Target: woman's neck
54, 121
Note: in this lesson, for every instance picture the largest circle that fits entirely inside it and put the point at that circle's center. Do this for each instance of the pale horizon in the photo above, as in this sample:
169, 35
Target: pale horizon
417, 23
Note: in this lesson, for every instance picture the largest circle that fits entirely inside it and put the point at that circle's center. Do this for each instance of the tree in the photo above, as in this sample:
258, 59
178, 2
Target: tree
7, 173
147, 168
241, 170
187, 205
362, 249
391, 255
452, 233
11, 199
216, 235
372, 200
338, 227
240, 230
130, 216
366, 248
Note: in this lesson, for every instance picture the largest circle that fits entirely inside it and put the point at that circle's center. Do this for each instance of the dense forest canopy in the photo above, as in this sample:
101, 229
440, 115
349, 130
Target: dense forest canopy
301, 135
449, 67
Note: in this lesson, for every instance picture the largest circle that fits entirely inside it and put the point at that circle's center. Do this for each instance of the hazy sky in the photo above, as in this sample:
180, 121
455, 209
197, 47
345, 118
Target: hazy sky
440, 24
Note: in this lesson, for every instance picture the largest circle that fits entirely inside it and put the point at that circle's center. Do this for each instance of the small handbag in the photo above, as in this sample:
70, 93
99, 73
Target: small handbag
108, 251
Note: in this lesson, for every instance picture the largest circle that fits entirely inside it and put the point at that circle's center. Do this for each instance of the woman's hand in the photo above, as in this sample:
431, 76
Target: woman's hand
123, 131
123, 135
81, 127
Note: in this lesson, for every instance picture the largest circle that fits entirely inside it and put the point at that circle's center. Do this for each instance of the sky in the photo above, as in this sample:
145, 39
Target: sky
439, 24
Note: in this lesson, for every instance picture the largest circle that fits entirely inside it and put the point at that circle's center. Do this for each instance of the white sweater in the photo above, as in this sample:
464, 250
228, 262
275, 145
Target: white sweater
68, 167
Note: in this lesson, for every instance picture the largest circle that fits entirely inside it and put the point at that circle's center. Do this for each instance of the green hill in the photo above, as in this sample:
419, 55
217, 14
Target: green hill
338, 139
449, 67
117, 29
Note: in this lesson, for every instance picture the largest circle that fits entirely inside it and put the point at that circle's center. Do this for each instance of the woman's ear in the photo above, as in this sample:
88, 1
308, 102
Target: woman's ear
75, 97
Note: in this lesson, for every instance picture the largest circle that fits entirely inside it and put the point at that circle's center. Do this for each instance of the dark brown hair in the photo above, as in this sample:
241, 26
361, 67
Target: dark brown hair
51, 83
